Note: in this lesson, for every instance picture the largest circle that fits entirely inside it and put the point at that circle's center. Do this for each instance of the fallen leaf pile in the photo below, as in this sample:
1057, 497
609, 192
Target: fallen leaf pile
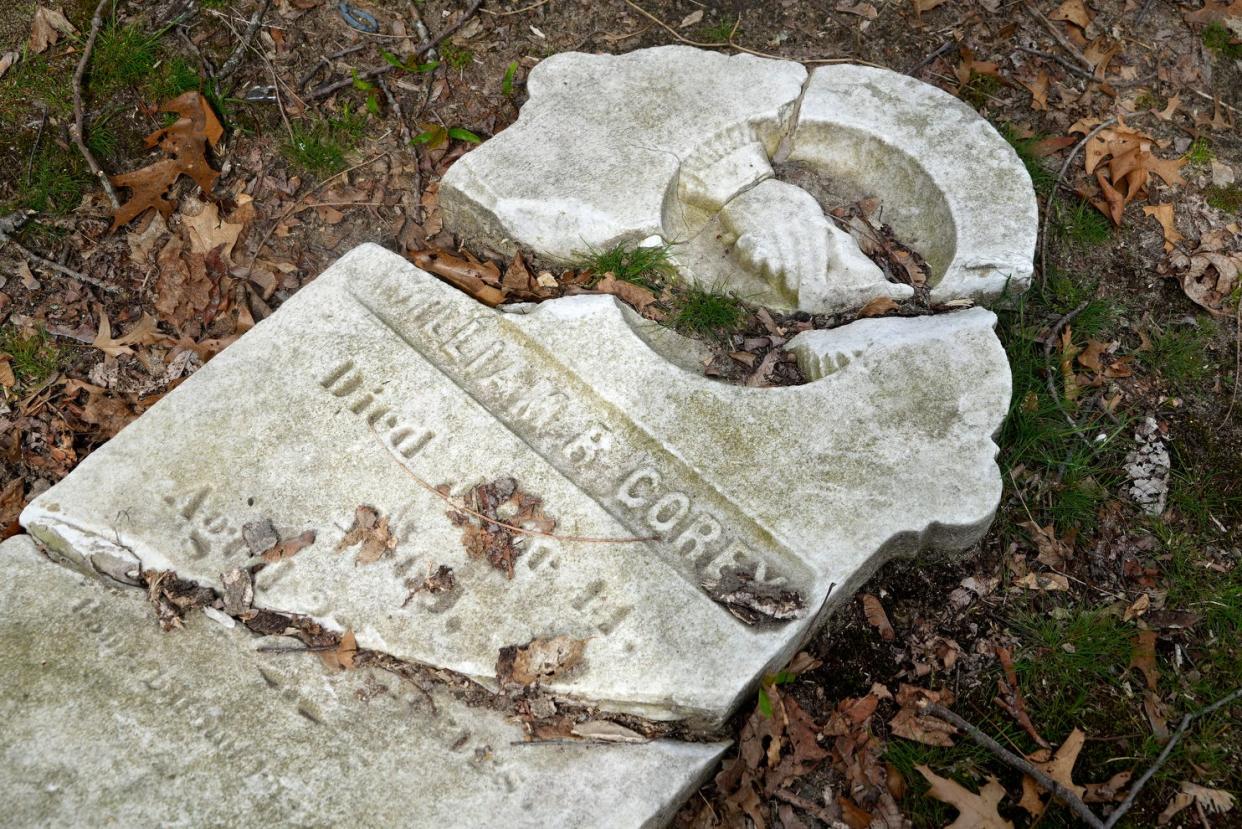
1122, 162
505, 507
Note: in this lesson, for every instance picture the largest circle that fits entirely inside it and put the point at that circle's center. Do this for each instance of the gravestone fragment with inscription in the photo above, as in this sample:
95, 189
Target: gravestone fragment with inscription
701, 529
109, 721
463, 487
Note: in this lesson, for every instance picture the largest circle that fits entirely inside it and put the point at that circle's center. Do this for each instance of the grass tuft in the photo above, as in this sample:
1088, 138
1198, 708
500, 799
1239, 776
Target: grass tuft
1082, 224
1179, 354
704, 312
319, 147
1219, 39
124, 57
1200, 153
1041, 177
649, 267
1228, 199
34, 357
455, 56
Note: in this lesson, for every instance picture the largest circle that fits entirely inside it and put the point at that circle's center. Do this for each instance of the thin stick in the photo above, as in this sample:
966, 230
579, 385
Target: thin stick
1048, 202
1214, 99
1077, 70
1164, 755
1237, 369
733, 43
1069, 798
531, 7
79, 114
61, 269
295, 208
512, 528
419, 51
1058, 36
231, 65
396, 110
944, 47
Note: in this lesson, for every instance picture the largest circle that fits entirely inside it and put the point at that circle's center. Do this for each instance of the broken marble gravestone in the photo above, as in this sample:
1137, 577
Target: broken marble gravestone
464, 488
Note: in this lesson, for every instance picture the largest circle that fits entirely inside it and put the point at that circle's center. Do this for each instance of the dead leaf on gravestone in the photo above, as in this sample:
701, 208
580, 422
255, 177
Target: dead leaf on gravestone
480, 280
184, 145
490, 537
371, 531
238, 593
289, 547
608, 732
876, 617
47, 27
975, 811
635, 295
878, 306
1163, 213
341, 658
538, 660
1211, 801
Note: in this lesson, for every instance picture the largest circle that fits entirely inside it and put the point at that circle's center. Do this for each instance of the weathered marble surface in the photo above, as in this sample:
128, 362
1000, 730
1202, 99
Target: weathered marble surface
658, 142
110, 722
306, 417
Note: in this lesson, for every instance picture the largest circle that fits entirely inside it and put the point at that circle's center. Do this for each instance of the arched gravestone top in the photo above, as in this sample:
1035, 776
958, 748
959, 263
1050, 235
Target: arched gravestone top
805, 490
678, 144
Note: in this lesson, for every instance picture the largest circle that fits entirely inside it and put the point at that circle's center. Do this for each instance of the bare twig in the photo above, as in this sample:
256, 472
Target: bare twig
424, 47
40, 261
1058, 36
531, 7
940, 50
1164, 755
234, 60
732, 43
326, 60
396, 110
1215, 99
586, 539
1052, 194
209, 68
1069, 798
79, 116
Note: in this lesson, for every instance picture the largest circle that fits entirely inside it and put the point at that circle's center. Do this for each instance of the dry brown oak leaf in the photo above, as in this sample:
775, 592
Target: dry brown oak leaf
185, 146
